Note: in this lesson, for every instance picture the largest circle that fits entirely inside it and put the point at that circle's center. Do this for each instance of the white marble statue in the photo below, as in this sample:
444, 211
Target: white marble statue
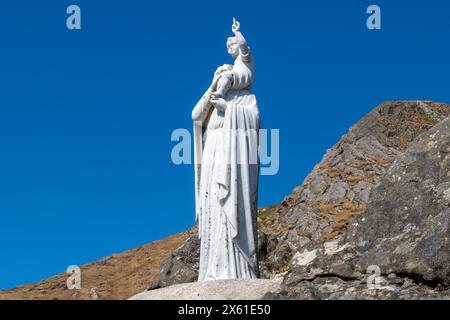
226, 130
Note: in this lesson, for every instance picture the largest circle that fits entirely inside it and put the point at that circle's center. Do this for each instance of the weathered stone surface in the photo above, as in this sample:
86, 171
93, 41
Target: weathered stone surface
335, 288
338, 189
248, 289
406, 227
404, 234
182, 265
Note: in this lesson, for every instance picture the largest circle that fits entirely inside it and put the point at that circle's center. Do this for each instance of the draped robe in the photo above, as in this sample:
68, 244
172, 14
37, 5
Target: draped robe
226, 146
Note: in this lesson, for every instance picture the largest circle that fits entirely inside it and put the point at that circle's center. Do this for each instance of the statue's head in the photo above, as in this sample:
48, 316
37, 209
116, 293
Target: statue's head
233, 47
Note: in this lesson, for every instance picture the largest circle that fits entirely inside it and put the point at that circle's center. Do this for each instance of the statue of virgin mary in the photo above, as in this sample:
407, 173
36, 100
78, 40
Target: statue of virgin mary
226, 144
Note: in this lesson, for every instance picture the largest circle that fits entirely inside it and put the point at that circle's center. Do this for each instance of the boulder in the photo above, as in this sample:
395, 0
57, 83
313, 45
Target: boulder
400, 245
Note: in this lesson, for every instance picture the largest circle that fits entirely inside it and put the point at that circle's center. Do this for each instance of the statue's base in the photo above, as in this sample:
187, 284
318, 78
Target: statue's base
246, 289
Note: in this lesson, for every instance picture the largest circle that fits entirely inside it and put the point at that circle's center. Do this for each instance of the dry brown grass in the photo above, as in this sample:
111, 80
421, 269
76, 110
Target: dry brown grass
341, 214
303, 233
356, 178
333, 173
117, 277
270, 222
360, 164
351, 178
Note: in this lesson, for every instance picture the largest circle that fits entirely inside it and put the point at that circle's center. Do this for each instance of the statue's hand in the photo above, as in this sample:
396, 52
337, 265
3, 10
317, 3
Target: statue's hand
236, 26
219, 103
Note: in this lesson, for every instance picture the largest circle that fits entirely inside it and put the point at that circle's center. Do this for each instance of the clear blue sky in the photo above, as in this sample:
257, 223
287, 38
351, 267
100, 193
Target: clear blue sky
86, 116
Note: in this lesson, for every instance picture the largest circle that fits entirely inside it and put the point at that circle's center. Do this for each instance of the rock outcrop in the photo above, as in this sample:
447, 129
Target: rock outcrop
338, 189
403, 236
182, 265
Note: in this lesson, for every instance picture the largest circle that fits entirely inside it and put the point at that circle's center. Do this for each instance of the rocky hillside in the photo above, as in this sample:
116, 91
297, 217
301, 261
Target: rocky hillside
378, 201
403, 234
339, 187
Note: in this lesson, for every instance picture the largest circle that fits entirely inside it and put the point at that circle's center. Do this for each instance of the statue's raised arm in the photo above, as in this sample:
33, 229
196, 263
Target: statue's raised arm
236, 28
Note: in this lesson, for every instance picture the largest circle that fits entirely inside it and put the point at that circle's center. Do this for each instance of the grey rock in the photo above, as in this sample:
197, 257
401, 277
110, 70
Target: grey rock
338, 189
249, 289
335, 288
182, 265
404, 232
407, 222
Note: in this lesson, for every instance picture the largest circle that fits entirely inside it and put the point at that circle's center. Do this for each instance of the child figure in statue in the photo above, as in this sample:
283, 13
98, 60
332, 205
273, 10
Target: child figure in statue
240, 75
